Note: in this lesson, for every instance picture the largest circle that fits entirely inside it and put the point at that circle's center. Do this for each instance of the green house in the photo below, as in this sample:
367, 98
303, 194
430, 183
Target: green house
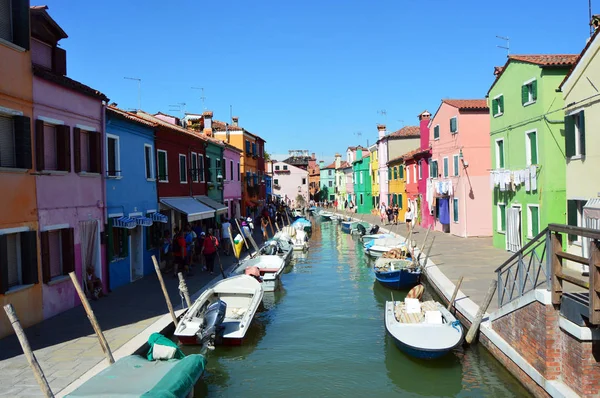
362, 182
528, 147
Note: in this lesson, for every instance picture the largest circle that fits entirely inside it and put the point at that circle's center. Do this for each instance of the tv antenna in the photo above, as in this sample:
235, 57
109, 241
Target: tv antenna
383, 113
178, 107
202, 97
507, 46
139, 90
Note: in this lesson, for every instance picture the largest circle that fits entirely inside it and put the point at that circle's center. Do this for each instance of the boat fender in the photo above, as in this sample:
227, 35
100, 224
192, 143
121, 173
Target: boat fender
455, 325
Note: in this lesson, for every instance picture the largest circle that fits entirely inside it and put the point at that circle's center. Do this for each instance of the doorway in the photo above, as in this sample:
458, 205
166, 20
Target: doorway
137, 254
89, 237
513, 229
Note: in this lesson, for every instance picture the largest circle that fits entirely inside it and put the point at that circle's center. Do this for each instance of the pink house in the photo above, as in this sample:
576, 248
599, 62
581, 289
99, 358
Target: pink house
69, 135
232, 187
289, 181
427, 215
459, 189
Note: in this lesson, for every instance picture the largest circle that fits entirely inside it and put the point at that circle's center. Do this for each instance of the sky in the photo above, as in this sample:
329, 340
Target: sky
311, 74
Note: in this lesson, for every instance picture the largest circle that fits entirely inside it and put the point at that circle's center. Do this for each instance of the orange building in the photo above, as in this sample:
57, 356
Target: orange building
252, 163
19, 254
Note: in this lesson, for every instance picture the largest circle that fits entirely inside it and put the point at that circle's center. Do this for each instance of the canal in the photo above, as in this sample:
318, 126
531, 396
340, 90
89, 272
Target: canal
322, 335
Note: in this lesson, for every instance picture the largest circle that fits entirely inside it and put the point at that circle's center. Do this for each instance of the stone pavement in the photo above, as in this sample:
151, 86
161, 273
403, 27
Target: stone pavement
66, 346
473, 258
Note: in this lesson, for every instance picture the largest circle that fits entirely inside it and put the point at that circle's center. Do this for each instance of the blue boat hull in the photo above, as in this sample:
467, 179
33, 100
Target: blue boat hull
418, 353
400, 279
346, 226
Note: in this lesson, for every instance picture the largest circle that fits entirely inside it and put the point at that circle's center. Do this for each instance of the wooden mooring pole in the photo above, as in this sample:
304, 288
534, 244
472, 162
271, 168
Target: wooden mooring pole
482, 309
31, 359
244, 237
424, 242
164, 290
92, 318
427, 254
451, 303
183, 288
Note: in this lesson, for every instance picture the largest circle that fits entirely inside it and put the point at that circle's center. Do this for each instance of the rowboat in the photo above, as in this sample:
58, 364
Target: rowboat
269, 268
164, 371
376, 248
424, 330
238, 297
396, 273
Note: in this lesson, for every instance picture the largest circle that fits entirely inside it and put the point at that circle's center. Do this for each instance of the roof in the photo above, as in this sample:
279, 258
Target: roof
331, 166
41, 11
221, 126
542, 60
467, 104
587, 46
345, 165
406, 132
364, 155
354, 148
415, 153
129, 116
67, 83
160, 122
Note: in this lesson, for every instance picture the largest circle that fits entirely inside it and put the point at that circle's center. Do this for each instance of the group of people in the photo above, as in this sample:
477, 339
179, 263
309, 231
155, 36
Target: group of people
190, 246
389, 215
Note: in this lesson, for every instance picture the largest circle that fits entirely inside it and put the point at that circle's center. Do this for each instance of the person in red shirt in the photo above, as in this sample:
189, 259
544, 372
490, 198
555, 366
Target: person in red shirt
180, 253
209, 250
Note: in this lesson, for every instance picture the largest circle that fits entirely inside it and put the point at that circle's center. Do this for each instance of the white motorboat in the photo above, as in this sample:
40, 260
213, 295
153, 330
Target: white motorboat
270, 268
326, 215
232, 302
299, 238
376, 248
280, 245
370, 237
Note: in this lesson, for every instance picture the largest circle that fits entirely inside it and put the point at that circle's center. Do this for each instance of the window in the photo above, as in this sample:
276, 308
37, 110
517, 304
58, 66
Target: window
162, 166
407, 173
304, 181
247, 147
231, 170
118, 242
14, 22
420, 169
453, 125
238, 171
18, 260
455, 210
86, 150
194, 166
500, 153
182, 169
575, 134
436, 132
455, 161
414, 173
434, 169
276, 167
285, 167
253, 149
149, 159
207, 169
446, 173
361, 177
113, 162
15, 141
218, 167
328, 172
529, 92
153, 235
498, 106
501, 217
401, 171
533, 226
400, 201
575, 216
531, 147
201, 168
53, 146
361, 199
395, 173
58, 254
276, 182
330, 184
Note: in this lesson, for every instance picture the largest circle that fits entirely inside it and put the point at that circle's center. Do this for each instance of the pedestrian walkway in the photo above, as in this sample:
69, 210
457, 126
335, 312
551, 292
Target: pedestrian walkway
66, 346
475, 259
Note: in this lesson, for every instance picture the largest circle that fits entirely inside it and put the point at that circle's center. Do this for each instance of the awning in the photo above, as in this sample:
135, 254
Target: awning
220, 208
124, 222
157, 217
191, 207
592, 208
143, 221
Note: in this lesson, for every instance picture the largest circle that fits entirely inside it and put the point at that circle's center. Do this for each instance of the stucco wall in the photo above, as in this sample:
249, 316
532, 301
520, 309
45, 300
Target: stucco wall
290, 181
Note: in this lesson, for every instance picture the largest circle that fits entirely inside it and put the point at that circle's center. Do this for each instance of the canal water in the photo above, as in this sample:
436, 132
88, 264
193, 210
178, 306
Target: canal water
322, 335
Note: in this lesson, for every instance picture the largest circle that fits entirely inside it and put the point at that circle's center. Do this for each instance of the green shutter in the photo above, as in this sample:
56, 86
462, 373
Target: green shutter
401, 171
494, 107
572, 217
455, 210
446, 167
456, 165
535, 221
400, 201
502, 217
581, 126
436, 132
533, 147
524, 94
453, 125
501, 104
500, 153
534, 90
569, 135
389, 174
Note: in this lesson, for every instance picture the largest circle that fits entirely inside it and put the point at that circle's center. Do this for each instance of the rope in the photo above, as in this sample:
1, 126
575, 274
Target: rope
182, 290
455, 325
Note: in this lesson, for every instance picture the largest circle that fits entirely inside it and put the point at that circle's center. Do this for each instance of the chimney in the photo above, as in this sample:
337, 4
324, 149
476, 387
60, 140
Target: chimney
424, 120
207, 115
381, 130
234, 120
595, 23
313, 157
338, 160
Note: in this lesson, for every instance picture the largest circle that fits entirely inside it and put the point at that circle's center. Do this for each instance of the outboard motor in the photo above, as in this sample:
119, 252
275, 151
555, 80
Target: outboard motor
270, 249
212, 327
361, 229
374, 230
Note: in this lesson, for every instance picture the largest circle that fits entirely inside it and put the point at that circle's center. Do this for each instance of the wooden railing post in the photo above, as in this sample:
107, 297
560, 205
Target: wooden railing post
557, 283
549, 259
520, 271
594, 282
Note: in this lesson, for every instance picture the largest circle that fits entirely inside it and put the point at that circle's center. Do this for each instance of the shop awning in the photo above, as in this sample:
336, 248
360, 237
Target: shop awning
592, 209
220, 208
124, 222
157, 217
189, 206
143, 221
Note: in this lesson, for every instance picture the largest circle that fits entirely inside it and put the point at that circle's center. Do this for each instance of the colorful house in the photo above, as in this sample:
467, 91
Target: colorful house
314, 177
349, 183
582, 146
362, 181
460, 158
232, 189
413, 163
327, 181
20, 281
134, 232
340, 181
69, 135
290, 181
426, 214
374, 173
526, 139
396, 185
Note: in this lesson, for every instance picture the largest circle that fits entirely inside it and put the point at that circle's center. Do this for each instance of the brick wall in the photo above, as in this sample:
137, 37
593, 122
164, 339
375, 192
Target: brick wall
581, 366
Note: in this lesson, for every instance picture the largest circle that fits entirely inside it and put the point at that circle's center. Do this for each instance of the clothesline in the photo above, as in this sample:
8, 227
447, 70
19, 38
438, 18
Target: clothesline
511, 180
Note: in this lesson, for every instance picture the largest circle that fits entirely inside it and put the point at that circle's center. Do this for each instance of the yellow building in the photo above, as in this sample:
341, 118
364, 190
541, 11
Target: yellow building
397, 186
374, 171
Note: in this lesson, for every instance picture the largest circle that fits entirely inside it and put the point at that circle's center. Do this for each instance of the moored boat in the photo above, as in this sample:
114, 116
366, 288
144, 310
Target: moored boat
269, 268
369, 237
376, 248
280, 245
326, 215
302, 224
396, 273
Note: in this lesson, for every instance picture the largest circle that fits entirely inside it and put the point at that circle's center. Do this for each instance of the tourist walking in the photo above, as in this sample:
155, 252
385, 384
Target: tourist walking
180, 254
263, 227
390, 214
209, 250
226, 236
382, 213
396, 212
408, 217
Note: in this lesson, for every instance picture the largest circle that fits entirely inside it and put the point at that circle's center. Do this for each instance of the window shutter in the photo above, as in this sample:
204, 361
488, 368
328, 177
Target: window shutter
495, 107
500, 103
401, 170
436, 132
534, 90
63, 148
68, 251
59, 61
524, 94
389, 174
572, 217
45, 253
29, 263
581, 133
39, 145
20, 15
400, 201
77, 149
569, 135
23, 142
95, 140
3, 264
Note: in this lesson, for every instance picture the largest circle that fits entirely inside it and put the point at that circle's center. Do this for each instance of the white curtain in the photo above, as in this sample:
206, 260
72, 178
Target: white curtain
89, 250
513, 229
